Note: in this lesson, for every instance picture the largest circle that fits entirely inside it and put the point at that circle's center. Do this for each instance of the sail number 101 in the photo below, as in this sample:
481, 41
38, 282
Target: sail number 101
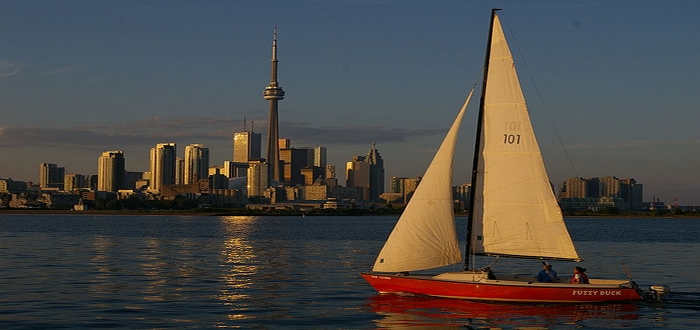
511, 138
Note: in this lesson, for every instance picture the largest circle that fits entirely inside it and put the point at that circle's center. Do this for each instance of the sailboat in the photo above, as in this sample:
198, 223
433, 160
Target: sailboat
513, 211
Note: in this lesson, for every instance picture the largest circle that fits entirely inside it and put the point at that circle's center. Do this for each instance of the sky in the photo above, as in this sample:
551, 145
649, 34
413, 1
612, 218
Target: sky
611, 85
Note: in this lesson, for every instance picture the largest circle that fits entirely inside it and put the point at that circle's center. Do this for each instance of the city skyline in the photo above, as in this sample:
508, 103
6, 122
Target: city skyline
616, 79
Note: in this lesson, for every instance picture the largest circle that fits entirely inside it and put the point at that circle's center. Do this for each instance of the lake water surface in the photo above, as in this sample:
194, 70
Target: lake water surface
194, 272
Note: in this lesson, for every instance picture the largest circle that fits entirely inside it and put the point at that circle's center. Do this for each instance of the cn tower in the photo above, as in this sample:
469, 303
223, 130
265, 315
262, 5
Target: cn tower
274, 93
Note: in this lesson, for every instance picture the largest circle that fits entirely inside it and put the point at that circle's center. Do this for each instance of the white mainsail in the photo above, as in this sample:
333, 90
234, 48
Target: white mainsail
425, 236
515, 211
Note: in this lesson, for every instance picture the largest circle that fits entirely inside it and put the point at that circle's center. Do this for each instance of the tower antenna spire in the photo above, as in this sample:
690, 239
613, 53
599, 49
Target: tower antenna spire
273, 76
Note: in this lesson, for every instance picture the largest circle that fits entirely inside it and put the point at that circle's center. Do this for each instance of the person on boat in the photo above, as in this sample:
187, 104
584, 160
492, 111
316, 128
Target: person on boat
547, 274
580, 276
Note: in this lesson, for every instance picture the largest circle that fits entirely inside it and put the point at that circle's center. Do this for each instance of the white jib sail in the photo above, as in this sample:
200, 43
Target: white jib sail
515, 202
425, 236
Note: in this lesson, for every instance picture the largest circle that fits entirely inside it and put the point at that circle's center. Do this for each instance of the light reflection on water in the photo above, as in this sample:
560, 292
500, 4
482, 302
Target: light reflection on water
239, 262
421, 311
292, 272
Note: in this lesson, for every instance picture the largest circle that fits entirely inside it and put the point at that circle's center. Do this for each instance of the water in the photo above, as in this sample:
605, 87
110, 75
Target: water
194, 272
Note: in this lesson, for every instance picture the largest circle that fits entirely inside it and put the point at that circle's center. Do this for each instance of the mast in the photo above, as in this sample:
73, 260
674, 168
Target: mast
477, 146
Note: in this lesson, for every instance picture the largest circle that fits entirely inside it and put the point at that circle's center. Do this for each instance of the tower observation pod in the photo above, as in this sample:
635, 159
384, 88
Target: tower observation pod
273, 91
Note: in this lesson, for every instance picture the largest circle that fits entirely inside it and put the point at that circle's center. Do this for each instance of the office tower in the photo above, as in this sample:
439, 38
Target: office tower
111, 171
163, 159
366, 172
357, 175
284, 143
462, 194
236, 169
312, 176
610, 187
179, 170
92, 180
196, 163
376, 173
405, 187
330, 172
51, 176
216, 169
319, 159
635, 193
246, 146
257, 179
595, 193
273, 93
131, 178
74, 181
329, 175
293, 160
575, 188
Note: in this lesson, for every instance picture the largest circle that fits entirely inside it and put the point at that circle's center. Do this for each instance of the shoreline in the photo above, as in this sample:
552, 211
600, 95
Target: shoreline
109, 212
241, 213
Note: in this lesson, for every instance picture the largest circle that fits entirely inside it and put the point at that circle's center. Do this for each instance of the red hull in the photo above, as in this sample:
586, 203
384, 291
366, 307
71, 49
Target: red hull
502, 290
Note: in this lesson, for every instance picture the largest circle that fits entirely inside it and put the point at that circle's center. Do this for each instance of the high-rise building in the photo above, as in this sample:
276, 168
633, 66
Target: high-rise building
179, 170
357, 175
319, 159
91, 180
131, 178
257, 182
74, 181
236, 169
51, 176
273, 93
376, 173
216, 169
284, 143
11, 186
196, 165
633, 193
610, 187
329, 176
246, 146
312, 176
575, 188
593, 193
293, 160
405, 187
163, 159
366, 172
111, 171
462, 193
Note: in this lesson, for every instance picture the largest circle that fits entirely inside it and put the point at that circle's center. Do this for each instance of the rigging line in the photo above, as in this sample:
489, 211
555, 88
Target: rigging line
539, 95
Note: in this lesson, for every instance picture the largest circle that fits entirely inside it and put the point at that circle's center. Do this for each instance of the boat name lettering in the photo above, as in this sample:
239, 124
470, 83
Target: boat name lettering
381, 277
597, 293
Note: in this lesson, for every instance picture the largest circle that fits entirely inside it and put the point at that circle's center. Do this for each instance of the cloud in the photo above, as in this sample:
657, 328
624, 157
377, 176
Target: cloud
9, 68
194, 130
27, 137
348, 135
64, 69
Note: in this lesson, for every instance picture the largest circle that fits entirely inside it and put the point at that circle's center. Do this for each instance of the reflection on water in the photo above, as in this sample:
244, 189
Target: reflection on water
402, 311
197, 272
240, 265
